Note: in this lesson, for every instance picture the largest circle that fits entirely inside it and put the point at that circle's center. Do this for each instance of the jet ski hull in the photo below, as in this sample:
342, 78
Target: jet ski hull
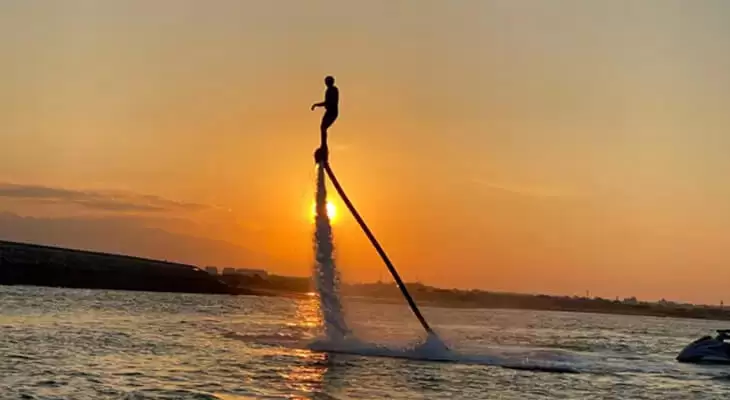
706, 350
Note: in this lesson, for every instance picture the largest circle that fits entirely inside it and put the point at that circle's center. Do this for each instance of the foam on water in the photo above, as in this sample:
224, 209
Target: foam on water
433, 349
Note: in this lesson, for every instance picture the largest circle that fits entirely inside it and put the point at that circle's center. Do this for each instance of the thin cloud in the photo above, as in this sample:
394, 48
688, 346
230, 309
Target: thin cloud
530, 191
96, 200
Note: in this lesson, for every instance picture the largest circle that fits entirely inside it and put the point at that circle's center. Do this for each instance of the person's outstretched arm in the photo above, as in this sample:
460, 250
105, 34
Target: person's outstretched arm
315, 105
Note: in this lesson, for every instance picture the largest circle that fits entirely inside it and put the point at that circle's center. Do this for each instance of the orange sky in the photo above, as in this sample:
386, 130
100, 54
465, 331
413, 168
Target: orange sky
551, 147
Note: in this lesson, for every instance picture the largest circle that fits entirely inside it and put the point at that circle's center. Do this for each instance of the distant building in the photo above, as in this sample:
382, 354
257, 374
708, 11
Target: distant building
245, 272
668, 303
212, 270
252, 272
631, 300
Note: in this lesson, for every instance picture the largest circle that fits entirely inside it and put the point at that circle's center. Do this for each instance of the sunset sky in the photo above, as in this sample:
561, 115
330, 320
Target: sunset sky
530, 146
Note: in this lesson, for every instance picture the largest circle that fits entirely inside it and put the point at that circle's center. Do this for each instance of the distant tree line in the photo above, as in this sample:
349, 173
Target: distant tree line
428, 295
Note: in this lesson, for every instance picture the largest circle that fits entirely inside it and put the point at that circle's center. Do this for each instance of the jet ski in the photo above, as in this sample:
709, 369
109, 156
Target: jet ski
708, 350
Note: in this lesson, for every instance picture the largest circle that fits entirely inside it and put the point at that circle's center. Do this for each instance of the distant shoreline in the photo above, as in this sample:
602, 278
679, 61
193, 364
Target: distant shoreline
652, 313
669, 312
39, 265
386, 293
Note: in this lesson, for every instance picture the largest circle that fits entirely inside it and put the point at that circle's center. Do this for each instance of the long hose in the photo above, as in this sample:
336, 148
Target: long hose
378, 248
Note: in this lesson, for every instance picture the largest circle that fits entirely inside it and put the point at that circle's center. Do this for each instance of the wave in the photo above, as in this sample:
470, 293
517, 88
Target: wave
432, 349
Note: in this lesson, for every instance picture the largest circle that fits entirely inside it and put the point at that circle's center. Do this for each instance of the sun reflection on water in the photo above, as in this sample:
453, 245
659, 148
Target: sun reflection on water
307, 315
307, 379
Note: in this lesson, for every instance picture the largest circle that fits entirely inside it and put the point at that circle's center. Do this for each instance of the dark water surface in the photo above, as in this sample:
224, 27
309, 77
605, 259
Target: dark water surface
84, 344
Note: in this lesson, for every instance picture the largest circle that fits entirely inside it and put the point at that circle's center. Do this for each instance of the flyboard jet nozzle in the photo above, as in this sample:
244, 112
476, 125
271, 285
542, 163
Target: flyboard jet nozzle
321, 155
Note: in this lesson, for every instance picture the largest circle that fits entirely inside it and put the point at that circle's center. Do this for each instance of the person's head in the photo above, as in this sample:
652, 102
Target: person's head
329, 81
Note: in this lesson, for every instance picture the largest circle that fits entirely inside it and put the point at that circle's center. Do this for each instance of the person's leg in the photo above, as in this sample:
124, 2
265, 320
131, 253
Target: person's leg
322, 152
327, 121
323, 136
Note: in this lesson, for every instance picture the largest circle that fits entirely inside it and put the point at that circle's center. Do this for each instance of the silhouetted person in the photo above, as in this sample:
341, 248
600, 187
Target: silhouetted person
330, 103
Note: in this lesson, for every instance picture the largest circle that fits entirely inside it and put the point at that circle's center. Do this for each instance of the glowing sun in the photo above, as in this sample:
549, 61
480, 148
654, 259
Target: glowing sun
331, 211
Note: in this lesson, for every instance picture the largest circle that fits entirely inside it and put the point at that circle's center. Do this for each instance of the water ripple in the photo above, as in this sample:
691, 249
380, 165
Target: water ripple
83, 344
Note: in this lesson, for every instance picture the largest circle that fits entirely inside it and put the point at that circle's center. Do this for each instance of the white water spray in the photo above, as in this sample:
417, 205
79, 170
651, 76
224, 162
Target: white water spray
326, 277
